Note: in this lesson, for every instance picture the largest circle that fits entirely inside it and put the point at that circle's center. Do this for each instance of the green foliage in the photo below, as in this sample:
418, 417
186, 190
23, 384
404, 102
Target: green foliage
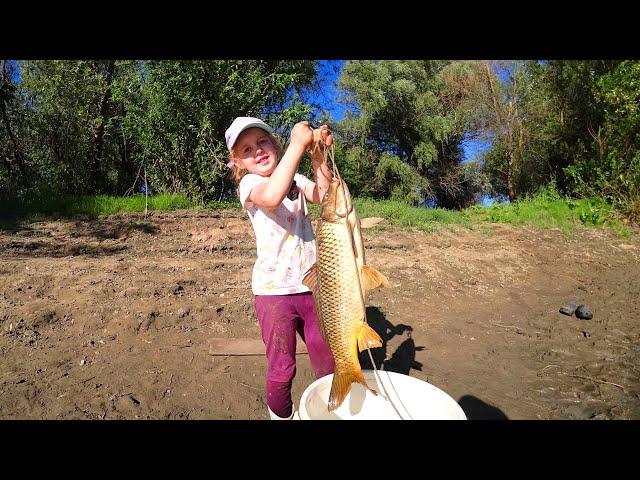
397, 180
474, 183
403, 119
593, 212
511, 106
611, 171
575, 122
93, 206
71, 138
357, 167
546, 209
77, 127
183, 108
14, 168
99, 126
575, 114
224, 204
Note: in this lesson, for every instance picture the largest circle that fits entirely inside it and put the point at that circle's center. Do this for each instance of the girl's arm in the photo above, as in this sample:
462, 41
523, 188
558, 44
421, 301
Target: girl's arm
271, 194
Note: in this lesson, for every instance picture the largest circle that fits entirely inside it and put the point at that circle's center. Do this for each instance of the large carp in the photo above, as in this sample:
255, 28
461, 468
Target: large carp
338, 282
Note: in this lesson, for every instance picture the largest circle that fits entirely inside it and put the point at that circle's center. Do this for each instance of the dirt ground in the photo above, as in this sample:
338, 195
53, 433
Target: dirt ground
111, 319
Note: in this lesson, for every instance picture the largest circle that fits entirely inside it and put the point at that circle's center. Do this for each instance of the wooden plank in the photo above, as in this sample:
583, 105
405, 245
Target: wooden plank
370, 222
245, 346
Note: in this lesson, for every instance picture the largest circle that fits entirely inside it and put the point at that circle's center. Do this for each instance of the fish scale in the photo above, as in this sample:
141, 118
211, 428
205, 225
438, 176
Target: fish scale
339, 301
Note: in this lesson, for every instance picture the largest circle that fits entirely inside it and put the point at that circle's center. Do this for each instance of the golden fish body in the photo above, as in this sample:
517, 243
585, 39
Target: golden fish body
338, 281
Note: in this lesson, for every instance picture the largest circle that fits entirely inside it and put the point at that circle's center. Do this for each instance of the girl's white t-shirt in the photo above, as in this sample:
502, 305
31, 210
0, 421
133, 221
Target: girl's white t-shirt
284, 240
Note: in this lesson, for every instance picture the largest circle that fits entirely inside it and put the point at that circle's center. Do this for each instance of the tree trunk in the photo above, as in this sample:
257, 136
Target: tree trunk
99, 133
494, 95
510, 189
19, 158
4, 98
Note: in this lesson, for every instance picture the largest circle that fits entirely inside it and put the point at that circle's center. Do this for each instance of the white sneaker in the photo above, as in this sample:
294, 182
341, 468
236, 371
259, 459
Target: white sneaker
273, 416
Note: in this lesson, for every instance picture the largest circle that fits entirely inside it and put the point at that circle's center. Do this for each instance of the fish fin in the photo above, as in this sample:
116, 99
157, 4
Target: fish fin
373, 278
368, 338
342, 384
310, 278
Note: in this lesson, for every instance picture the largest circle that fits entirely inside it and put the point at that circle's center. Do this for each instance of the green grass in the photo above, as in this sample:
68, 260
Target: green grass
94, 206
403, 215
543, 210
549, 213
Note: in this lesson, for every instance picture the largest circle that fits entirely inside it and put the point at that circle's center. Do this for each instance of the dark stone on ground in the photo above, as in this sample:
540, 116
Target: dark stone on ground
583, 312
568, 308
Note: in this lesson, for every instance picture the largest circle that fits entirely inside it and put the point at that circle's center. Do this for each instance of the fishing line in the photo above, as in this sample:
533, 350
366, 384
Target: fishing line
330, 153
387, 398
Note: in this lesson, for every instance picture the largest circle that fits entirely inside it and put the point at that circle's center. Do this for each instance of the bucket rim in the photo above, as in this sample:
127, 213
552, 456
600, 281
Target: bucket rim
304, 415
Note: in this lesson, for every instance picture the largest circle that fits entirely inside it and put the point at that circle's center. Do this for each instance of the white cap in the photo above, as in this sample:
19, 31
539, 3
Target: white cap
239, 125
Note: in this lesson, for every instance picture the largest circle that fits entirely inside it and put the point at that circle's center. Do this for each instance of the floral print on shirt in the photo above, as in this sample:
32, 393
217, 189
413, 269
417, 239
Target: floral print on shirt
284, 240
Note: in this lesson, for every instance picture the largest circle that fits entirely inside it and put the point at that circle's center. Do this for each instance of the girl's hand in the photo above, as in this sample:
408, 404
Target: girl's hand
322, 138
302, 134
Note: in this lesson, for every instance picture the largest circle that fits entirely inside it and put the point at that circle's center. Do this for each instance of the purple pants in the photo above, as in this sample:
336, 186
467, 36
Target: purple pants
280, 317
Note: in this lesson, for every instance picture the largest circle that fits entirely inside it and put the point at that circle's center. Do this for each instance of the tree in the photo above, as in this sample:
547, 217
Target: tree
403, 116
73, 133
182, 108
504, 103
575, 114
612, 171
90, 126
13, 162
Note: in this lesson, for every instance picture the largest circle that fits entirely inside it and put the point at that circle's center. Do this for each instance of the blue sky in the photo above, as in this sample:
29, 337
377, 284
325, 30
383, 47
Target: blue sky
474, 147
15, 73
328, 95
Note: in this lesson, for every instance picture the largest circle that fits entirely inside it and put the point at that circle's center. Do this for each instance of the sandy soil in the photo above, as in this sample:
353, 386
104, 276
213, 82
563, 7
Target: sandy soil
111, 319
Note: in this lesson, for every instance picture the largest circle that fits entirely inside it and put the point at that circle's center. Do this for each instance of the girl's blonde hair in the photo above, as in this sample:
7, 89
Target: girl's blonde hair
237, 172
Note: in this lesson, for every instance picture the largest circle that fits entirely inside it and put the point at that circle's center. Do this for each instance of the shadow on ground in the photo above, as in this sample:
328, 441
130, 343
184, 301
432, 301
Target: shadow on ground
476, 409
403, 359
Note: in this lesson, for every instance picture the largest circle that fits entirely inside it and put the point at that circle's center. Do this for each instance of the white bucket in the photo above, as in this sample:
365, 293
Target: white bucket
400, 397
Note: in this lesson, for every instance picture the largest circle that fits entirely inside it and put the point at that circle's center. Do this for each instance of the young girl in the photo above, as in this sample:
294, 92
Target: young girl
275, 197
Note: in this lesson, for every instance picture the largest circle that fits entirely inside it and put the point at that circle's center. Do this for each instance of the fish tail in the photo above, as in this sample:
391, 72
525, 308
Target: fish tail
342, 384
368, 338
